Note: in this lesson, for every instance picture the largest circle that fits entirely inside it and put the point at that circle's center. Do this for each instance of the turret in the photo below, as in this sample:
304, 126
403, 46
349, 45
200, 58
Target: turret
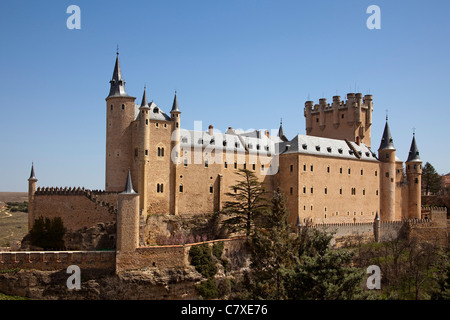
281, 132
322, 107
127, 224
144, 151
175, 116
308, 109
32, 183
120, 112
414, 177
336, 104
386, 154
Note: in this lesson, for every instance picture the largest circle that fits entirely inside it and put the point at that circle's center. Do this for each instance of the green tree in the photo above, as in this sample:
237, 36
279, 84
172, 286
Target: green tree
48, 233
273, 250
431, 180
246, 204
323, 273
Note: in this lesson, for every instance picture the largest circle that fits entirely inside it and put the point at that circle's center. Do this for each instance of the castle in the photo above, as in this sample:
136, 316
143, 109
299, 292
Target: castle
328, 176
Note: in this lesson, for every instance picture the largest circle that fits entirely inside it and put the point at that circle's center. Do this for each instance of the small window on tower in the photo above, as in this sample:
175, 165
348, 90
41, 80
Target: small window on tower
181, 188
112, 107
123, 107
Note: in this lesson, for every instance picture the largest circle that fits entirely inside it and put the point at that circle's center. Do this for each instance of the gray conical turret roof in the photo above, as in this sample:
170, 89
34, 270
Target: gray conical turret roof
144, 103
32, 175
117, 82
386, 141
281, 133
129, 185
175, 107
413, 151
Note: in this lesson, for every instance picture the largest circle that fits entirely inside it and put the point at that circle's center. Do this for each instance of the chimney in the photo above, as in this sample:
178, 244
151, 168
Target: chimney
267, 133
210, 130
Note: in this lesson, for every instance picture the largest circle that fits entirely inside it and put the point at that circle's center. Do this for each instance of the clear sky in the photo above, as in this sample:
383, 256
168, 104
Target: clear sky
239, 63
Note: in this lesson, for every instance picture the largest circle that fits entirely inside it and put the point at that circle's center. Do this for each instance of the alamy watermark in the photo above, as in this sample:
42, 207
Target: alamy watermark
74, 20
374, 21
374, 280
74, 281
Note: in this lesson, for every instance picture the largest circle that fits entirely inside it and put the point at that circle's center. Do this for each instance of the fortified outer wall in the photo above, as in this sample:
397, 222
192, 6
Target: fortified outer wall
176, 256
58, 260
77, 208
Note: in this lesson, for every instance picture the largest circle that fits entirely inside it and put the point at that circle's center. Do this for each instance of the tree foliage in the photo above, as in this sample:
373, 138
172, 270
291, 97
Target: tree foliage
246, 202
431, 180
48, 233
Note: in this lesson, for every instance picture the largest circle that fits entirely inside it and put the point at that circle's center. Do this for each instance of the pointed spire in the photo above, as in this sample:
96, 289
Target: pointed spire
144, 103
129, 185
117, 82
175, 107
413, 151
386, 141
32, 175
281, 132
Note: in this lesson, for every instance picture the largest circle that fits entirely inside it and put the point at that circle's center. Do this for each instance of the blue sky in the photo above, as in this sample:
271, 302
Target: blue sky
243, 63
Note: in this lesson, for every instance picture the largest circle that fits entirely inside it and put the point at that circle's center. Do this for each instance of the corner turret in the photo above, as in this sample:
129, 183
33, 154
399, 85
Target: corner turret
414, 178
386, 154
144, 151
32, 183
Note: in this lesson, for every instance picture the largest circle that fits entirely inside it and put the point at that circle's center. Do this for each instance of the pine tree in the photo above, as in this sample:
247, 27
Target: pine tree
431, 180
272, 251
323, 273
247, 202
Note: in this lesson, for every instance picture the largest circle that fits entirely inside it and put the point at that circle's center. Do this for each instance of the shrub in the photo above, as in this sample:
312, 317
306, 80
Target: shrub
202, 260
207, 289
48, 234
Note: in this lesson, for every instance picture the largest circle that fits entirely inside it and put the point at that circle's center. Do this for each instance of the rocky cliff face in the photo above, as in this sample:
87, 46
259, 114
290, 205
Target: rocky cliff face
143, 285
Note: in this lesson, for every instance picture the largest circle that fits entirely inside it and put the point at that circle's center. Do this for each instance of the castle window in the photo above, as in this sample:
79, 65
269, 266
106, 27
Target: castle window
318, 148
235, 165
387, 174
266, 147
262, 167
304, 167
225, 164
342, 116
224, 143
156, 124
254, 167
349, 170
236, 144
181, 188
165, 125
212, 141
159, 188
416, 180
328, 169
123, 107
146, 121
184, 140
291, 190
364, 192
317, 119
340, 170
387, 155
111, 107
206, 163
326, 190
146, 152
211, 189
415, 166
340, 191
245, 166
250, 146
329, 149
291, 168
304, 146
376, 173
136, 152
257, 147
185, 162
340, 150
304, 189
376, 192
312, 190
312, 168
200, 141
160, 152
176, 124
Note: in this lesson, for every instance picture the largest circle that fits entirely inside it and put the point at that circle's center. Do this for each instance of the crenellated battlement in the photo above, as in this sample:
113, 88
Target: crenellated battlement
93, 195
353, 100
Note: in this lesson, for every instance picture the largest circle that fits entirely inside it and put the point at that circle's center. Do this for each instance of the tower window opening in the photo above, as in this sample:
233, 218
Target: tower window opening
291, 190
181, 188
123, 107
112, 107
211, 189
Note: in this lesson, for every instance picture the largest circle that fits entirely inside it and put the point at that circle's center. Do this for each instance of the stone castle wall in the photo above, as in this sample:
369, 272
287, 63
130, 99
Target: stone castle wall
58, 260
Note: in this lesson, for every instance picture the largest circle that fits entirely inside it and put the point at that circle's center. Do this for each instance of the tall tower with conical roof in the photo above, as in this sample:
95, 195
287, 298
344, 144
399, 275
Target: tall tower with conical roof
144, 151
414, 178
386, 154
127, 224
175, 116
32, 183
120, 112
